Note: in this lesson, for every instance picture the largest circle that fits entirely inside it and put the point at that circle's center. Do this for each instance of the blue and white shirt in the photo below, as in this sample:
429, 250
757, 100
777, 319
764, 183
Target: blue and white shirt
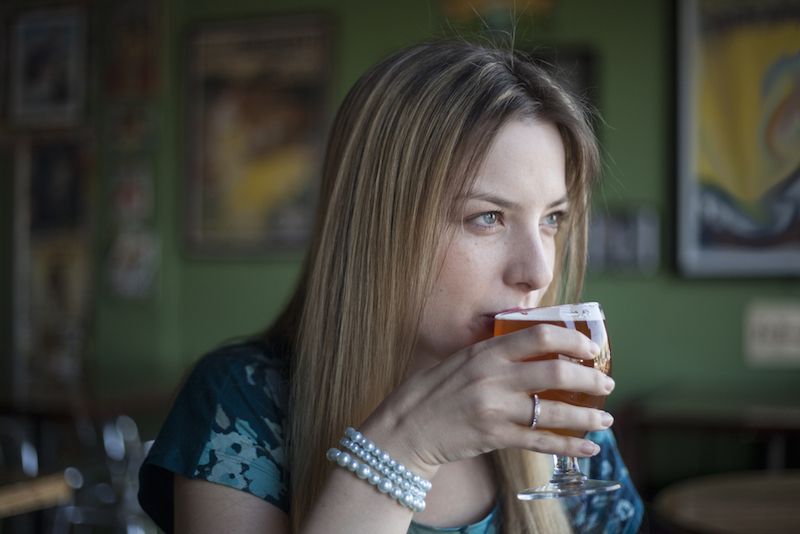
227, 426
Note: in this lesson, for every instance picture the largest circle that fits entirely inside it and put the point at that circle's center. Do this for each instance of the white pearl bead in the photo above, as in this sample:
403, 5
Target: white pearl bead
332, 454
397, 493
385, 485
363, 471
369, 446
343, 459
374, 479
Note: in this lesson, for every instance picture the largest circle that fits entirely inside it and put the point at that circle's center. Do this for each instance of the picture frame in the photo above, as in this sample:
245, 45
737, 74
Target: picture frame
47, 75
52, 267
256, 116
738, 151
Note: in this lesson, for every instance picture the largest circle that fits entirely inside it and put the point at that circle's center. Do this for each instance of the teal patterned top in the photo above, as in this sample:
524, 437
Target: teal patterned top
226, 426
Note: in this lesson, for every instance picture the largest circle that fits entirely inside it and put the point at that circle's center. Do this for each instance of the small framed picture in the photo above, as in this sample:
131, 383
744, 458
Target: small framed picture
47, 74
256, 117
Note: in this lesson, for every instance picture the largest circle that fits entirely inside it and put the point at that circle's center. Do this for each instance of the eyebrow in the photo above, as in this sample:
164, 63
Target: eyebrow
507, 204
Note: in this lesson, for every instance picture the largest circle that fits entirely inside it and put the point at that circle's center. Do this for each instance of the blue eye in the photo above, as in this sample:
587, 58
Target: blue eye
489, 218
554, 219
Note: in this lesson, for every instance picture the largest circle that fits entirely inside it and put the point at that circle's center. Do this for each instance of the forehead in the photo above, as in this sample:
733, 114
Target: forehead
525, 163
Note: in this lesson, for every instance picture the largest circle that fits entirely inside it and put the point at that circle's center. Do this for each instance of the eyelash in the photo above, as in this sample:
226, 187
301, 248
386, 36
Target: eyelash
476, 219
559, 216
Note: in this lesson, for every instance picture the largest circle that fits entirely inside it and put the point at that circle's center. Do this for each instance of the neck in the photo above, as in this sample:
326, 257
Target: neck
422, 359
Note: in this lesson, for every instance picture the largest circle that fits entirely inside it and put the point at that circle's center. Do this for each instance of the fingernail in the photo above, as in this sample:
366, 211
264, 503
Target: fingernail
590, 448
606, 419
609, 384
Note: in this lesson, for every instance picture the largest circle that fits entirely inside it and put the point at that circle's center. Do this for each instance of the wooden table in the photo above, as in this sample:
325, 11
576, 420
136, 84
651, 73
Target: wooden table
769, 424
34, 494
765, 502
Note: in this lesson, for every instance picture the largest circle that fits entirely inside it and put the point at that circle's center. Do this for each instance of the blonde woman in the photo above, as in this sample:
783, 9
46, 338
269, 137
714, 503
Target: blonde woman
456, 185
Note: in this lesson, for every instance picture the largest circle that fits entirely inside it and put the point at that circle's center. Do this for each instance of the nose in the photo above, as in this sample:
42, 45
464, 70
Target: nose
530, 263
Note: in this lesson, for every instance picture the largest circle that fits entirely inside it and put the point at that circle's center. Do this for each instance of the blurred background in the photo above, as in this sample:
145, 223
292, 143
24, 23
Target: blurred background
159, 160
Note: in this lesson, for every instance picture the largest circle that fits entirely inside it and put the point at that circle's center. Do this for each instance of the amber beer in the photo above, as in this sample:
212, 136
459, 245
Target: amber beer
585, 317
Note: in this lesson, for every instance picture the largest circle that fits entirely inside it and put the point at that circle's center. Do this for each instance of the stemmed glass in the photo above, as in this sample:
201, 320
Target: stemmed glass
588, 318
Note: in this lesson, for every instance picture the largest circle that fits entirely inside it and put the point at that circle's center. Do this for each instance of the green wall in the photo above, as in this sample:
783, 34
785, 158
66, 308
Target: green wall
203, 301
667, 330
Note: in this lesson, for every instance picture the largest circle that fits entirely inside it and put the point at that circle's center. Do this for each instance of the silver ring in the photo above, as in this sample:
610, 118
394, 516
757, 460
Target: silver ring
537, 410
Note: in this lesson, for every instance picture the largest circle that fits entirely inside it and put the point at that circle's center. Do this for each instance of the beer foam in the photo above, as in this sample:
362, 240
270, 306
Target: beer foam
585, 311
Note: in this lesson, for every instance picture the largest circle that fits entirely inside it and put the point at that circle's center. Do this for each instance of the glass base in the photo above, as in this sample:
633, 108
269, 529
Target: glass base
569, 489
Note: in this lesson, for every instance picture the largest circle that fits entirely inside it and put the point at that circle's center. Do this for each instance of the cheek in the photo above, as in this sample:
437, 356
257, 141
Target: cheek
447, 323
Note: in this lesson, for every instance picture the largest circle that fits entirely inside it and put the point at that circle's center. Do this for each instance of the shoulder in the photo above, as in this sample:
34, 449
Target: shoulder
251, 362
249, 372
226, 426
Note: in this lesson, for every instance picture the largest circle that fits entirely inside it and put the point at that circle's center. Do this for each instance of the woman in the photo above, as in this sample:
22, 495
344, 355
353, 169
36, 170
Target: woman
455, 186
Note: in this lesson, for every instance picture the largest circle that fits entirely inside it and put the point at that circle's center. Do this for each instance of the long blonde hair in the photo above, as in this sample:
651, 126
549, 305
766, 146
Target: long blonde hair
406, 142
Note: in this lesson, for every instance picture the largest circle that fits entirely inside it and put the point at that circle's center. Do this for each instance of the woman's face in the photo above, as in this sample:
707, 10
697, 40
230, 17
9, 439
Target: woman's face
503, 248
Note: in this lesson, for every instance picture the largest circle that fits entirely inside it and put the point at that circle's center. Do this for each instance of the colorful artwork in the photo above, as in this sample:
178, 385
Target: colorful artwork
739, 138
256, 122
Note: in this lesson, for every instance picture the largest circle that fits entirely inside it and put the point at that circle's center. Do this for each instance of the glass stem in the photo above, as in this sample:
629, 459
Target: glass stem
567, 472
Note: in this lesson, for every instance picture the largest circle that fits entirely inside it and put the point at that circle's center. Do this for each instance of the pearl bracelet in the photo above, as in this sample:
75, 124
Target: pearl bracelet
381, 470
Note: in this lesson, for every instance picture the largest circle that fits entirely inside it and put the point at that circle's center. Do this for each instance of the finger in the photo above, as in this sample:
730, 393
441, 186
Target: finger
555, 414
563, 416
535, 376
544, 339
520, 437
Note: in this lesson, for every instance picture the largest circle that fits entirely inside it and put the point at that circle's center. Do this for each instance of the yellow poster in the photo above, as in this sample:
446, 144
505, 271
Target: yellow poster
739, 100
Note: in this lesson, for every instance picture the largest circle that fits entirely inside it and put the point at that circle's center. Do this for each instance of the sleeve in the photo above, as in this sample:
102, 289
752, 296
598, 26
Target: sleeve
225, 426
620, 511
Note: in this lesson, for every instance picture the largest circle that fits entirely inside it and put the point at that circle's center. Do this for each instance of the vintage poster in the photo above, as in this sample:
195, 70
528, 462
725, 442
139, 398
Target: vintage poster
256, 122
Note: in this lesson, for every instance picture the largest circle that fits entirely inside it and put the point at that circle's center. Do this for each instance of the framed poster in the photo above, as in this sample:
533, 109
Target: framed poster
256, 121
738, 137
52, 268
48, 67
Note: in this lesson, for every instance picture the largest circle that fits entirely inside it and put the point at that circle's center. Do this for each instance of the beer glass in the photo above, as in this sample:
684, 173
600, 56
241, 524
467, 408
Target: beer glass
586, 317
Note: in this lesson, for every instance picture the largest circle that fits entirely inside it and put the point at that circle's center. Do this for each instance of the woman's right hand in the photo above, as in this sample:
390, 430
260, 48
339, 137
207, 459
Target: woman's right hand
479, 400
